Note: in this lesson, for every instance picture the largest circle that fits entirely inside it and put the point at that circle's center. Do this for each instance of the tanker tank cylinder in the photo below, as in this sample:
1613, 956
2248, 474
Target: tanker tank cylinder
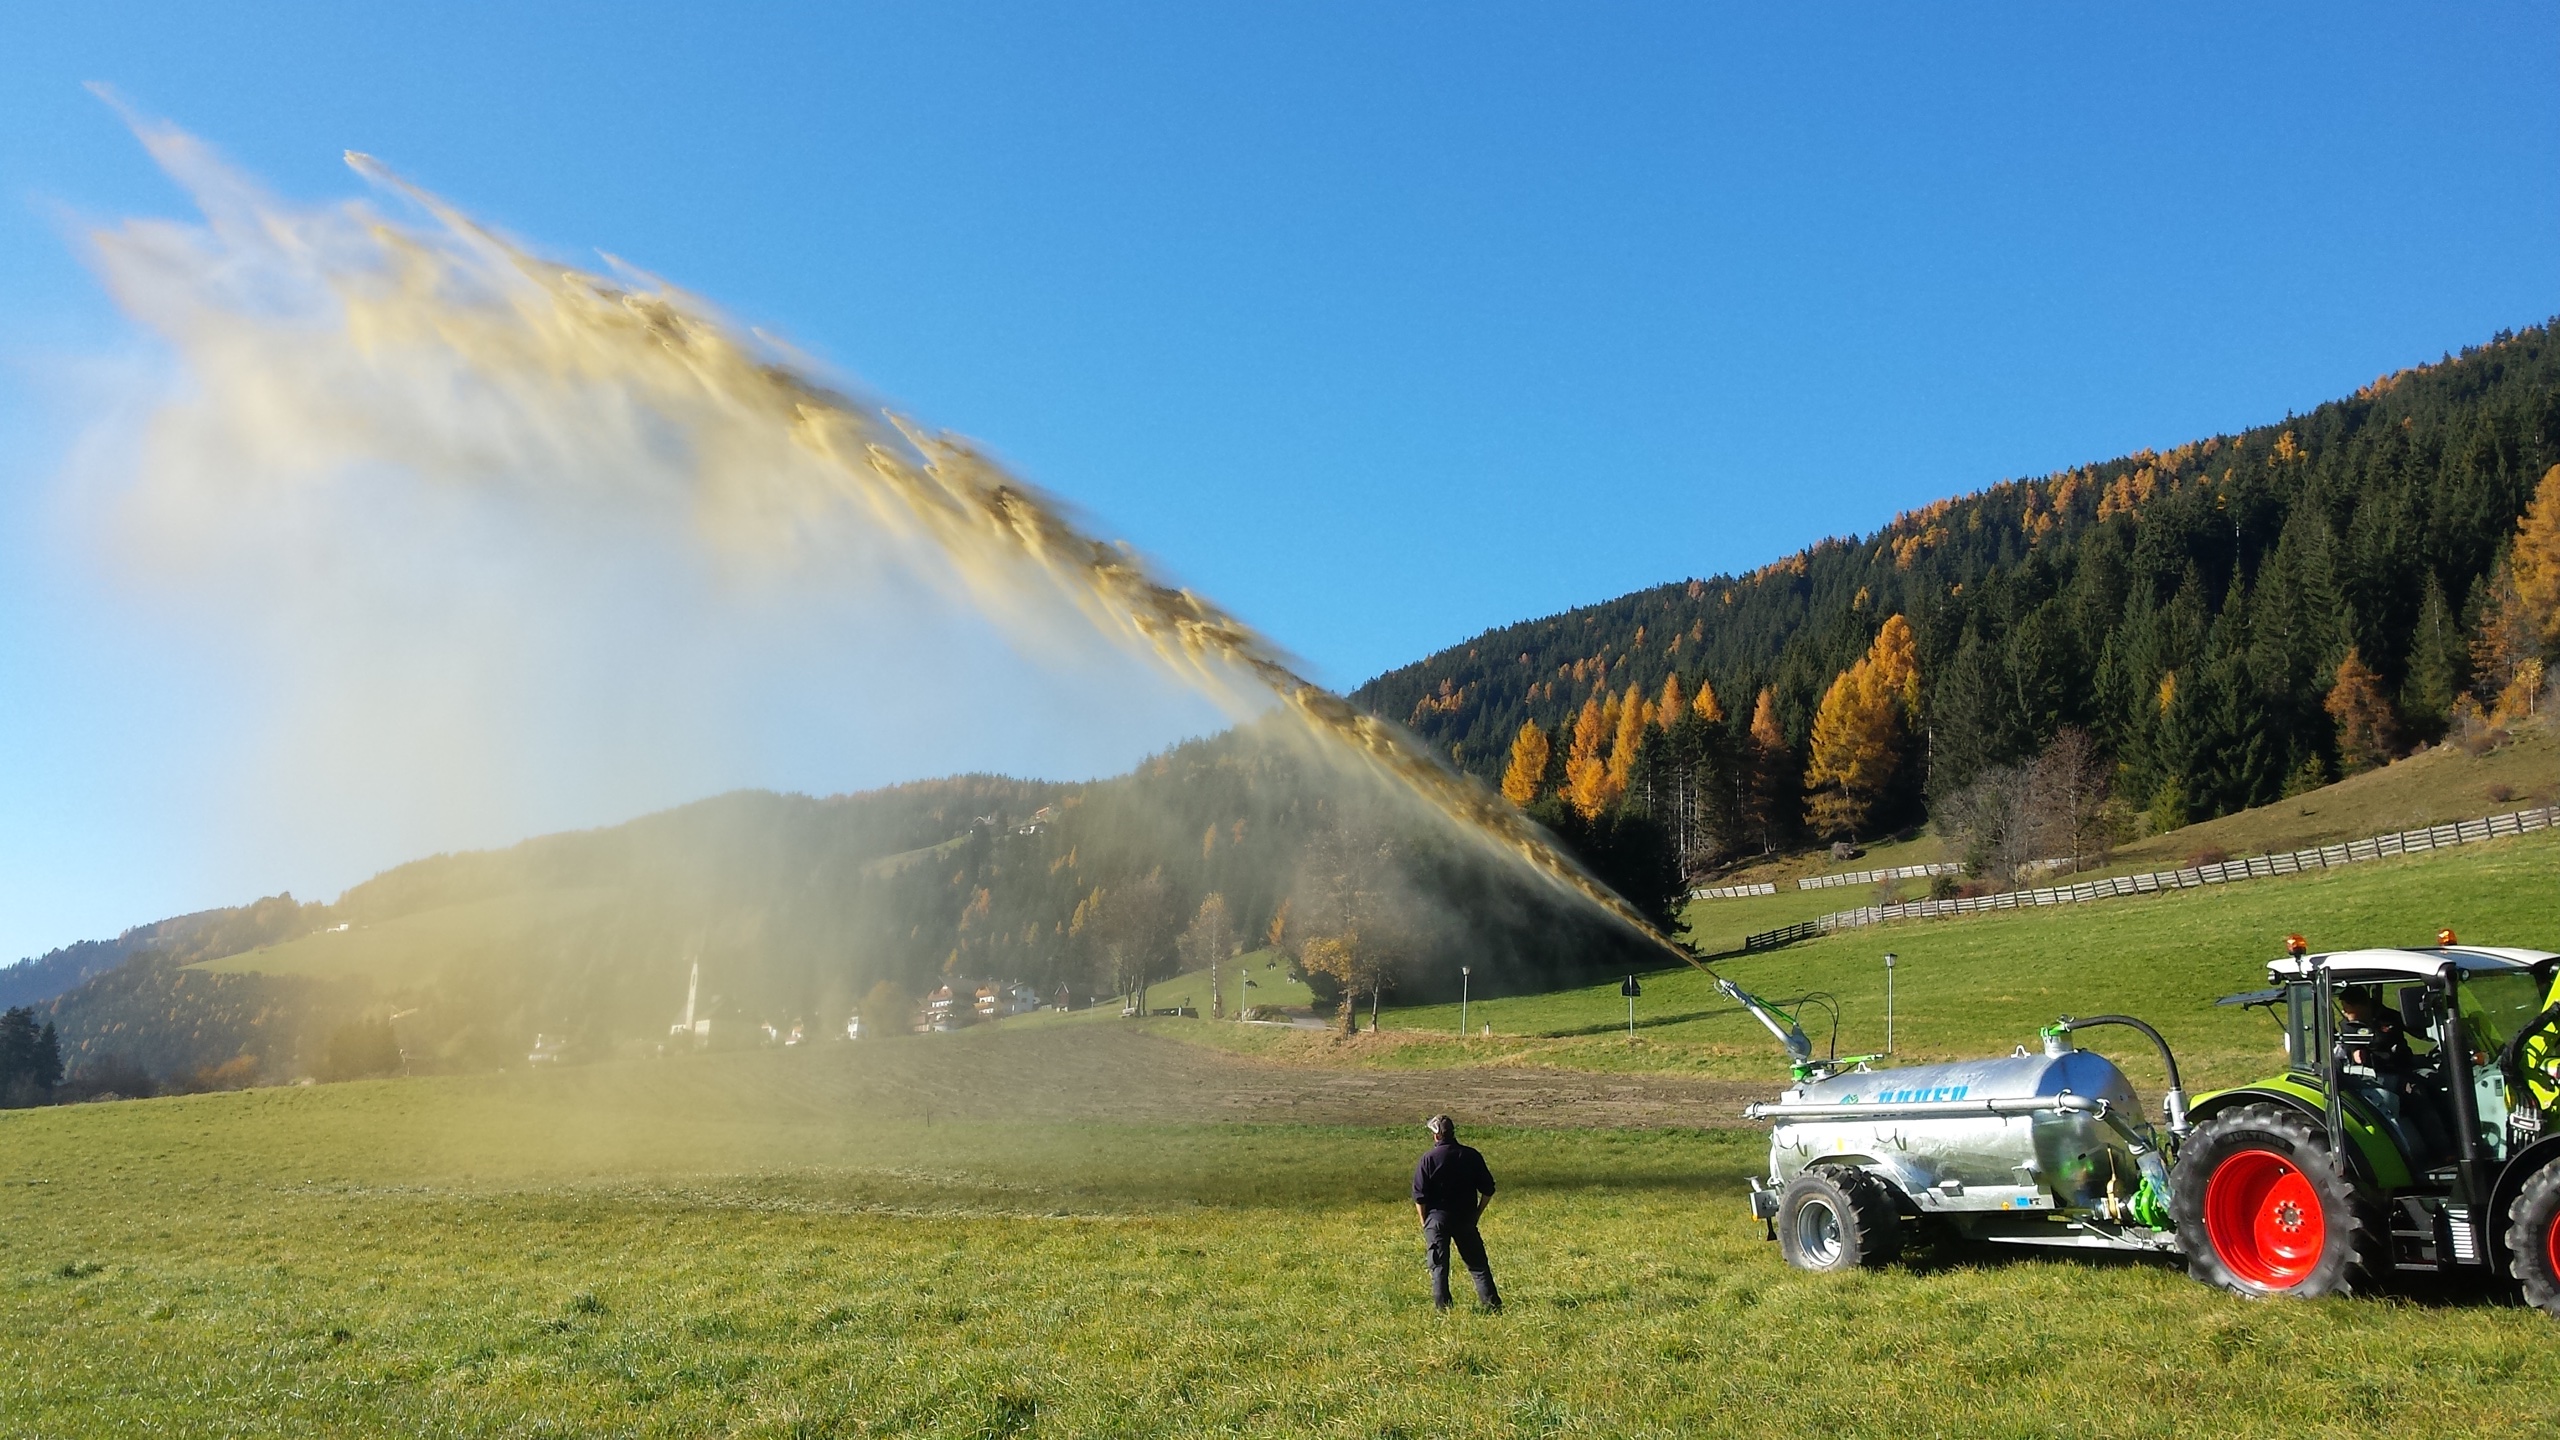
2041, 1146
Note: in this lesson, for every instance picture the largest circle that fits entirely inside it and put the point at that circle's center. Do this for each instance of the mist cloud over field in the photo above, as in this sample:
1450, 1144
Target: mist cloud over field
484, 576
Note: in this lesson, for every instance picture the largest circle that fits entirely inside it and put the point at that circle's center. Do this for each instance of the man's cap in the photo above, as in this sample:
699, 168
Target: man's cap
1439, 1124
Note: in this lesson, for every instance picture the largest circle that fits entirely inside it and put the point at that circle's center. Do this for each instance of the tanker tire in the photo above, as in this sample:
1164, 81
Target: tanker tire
2280, 1157
1834, 1218
2533, 1223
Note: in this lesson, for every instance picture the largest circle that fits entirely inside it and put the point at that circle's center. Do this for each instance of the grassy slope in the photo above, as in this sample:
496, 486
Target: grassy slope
420, 946
2442, 784
1981, 984
2428, 789
696, 1247
1717, 926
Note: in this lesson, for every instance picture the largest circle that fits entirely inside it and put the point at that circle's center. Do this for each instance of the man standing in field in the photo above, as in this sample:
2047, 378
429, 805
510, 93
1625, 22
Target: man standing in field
1451, 1188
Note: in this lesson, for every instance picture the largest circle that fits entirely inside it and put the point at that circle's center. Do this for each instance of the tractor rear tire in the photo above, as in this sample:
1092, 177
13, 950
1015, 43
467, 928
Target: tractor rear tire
2264, 1209
2533, 1239
1833, 1218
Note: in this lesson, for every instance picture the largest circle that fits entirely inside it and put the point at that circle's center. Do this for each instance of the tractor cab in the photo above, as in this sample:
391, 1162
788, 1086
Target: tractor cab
2403, 1133
2415, 1046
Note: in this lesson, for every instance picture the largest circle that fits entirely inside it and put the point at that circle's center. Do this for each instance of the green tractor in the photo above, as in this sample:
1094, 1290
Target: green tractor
2406, 1134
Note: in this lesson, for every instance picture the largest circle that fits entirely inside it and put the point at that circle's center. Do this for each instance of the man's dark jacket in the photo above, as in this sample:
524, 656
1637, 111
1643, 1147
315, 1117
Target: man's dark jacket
1449, 1179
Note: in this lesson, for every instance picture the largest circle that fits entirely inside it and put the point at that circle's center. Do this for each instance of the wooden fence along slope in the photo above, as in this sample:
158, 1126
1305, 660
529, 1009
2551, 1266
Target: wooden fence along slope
1870, 877
1734, 892
2319, 857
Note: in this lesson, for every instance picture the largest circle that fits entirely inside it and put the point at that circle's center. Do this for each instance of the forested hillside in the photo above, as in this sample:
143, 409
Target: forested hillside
2223, 620
800, 910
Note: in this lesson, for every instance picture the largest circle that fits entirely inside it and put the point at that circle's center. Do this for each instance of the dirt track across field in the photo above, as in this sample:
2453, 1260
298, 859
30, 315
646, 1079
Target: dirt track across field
1112, 1072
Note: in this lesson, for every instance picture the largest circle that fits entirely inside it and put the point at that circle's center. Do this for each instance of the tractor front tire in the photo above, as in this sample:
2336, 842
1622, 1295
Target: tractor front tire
2264, 1209
1835, 1218
2533, 1239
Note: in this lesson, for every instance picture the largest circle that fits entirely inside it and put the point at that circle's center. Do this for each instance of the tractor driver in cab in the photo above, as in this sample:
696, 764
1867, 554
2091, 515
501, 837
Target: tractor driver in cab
2378, 1066
2374, 1060
2371, 1037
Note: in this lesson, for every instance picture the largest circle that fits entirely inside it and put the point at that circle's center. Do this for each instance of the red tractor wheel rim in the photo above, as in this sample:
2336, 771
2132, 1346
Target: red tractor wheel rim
2551, 1244
2264, 1219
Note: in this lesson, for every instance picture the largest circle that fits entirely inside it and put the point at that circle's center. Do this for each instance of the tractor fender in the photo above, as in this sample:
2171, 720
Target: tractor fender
2377, 1162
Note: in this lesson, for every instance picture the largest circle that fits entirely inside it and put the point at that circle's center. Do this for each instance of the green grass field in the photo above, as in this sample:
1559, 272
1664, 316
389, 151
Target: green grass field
694, 1247
786, 1243
1984, 983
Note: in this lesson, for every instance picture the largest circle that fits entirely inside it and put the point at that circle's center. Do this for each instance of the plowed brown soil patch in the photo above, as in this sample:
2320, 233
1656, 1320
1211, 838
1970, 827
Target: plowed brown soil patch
1110, 1072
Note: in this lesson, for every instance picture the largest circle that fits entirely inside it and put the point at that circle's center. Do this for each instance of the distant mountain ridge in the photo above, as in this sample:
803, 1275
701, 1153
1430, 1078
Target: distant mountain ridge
183, 939
794, 908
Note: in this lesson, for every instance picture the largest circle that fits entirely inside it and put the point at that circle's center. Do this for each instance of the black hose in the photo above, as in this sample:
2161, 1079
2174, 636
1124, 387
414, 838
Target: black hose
2083, 1023
2511, 1059
1829, 1002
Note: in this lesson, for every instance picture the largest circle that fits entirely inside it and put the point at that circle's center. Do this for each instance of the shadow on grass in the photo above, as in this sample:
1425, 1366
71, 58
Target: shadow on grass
1945, 1254
1643, 1022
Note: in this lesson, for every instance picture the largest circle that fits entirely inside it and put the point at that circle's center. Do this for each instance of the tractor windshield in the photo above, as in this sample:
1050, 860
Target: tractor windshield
2496, 1006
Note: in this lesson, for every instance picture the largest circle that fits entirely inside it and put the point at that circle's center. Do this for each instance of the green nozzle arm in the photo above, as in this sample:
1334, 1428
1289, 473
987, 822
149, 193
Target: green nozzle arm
1791, 1034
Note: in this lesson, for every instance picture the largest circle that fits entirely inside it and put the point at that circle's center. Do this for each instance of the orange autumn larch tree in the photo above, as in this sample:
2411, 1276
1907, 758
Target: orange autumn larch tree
1859, 730
1705, 706
1586, 775
2535, 562
1635, 716
1529, 754
1768, 808
2506, 670
1896, 658
2368, 733
1855, 735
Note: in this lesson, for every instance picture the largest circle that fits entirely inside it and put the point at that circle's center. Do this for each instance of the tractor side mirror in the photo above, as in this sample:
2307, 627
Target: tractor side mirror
2419, 1010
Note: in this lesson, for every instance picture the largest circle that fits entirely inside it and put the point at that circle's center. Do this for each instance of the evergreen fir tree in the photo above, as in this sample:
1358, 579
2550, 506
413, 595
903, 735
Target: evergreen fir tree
2437, 660
2502, 641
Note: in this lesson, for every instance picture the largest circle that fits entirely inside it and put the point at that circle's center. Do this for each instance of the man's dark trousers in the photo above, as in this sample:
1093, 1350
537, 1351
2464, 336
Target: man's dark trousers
1440, 1230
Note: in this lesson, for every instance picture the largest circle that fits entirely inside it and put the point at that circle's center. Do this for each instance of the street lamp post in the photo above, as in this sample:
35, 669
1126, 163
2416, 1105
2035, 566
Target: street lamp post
1463, 972
1888, 1002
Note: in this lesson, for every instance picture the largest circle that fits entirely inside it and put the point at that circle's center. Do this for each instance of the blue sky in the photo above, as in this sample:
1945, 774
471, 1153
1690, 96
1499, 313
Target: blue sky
1382, 324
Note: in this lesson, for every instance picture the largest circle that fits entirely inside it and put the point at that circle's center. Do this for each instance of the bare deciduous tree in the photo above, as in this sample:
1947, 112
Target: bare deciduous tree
1131, 931
1207, 944
2050, 809
2067, 797
1349, 910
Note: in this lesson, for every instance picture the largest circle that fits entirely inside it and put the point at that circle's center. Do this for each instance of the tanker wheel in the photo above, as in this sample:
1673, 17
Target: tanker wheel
2264, 1209
2533, 1239
1836, 1218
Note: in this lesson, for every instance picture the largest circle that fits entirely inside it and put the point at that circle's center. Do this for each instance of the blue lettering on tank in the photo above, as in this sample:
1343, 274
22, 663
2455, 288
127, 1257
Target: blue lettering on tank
1922, 1096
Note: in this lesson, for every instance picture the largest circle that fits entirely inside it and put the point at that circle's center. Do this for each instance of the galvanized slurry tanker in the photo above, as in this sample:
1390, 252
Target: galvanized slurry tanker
2404, 1136
2043, 1146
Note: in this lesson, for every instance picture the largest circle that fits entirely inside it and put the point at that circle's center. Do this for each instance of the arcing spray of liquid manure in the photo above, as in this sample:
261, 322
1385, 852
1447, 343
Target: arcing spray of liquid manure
757, 440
